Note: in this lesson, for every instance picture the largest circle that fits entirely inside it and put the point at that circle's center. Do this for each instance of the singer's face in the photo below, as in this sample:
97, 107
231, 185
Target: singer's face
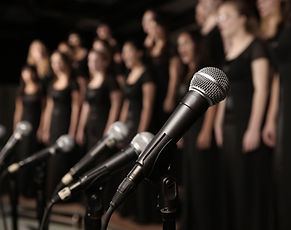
267, 7
186, 48
57, 63
130, 55
229, 20
95, 62
36, 50
74, 39
147, 18
27, 75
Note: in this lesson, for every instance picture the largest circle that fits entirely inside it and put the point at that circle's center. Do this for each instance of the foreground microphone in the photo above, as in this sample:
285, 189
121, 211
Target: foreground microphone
63, 144
117, 132
23, 128
208, 86
131, 153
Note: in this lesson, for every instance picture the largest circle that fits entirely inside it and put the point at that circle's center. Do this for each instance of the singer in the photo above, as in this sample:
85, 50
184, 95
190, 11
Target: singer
60, 116
28, 108
103, 101
136, 112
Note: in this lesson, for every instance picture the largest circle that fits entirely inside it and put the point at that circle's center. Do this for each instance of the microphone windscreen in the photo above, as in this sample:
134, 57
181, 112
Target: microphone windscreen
212, 83
141, 140
118, 131
23, 128
65, 143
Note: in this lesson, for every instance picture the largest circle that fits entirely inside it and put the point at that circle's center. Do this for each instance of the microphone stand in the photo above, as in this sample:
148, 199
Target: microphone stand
94, 208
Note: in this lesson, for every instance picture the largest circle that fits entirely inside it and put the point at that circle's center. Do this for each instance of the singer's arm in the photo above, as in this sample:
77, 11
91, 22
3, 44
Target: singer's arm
74, 113
148, 97
47, 119
82, 123
204, 138
260, 71
18, 111
115, 99
218, 124
269, 131
124, 110
174, 67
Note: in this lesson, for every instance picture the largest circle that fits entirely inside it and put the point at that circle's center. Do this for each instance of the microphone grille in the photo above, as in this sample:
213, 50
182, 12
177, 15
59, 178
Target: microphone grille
23, 128
141, 140
118, 131
212, 83
65, 143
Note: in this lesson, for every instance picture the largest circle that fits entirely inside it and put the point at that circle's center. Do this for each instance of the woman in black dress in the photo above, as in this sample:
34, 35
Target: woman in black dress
282, 114
198, 142
60, 116
165, 68
241, 116
137, 113
28, 108
102, 103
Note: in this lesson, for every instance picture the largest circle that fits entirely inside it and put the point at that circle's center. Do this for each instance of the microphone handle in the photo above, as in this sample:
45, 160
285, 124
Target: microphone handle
89, 157
38, 156
8, 146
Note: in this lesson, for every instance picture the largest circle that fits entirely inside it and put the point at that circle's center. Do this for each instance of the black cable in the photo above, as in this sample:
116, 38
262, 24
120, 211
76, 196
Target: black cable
46, 216
107, 218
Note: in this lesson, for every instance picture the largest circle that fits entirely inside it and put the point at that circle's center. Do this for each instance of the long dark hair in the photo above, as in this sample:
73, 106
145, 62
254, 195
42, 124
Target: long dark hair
35, 78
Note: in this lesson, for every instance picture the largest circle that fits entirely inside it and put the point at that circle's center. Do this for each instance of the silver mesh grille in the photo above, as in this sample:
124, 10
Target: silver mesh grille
212, 83
141, 140
23, 128
118, 131
65, 143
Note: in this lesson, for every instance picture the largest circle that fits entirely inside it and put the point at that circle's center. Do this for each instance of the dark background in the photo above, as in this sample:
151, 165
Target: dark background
22, 21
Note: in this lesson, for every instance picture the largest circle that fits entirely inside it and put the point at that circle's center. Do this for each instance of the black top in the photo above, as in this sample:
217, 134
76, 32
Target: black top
99, 102
133, 92
239, 100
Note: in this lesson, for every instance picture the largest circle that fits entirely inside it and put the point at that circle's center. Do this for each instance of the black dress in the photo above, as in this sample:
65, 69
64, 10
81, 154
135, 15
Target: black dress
141, 205
197, 177
29, 145
59, 164
282, 156
99, 102
244, 175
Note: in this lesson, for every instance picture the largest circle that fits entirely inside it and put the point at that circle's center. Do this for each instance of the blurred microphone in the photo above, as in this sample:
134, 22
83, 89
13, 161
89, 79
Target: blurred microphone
208, 86
2, 131
137, 145
63, 144
23, 128
117, 132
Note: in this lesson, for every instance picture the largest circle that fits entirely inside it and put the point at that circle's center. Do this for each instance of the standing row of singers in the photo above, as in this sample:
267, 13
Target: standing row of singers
234, 170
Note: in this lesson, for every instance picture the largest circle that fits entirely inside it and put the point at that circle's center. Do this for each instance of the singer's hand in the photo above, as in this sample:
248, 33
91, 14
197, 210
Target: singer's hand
204, 139
269, 133
80, 138
46, 137
169, 105
251, 140
39, 134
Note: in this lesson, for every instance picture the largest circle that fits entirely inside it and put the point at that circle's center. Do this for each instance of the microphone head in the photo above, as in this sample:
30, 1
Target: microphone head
2, 131
141, 140
118, 131
212, 83
23, 128
65, 143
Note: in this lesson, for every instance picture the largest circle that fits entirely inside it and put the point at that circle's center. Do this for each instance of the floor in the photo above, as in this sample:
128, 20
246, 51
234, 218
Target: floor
66, 217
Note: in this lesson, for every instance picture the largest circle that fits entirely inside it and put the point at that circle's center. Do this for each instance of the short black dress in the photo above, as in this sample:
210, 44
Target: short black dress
99, 103
59, 164
29, 145
244, 176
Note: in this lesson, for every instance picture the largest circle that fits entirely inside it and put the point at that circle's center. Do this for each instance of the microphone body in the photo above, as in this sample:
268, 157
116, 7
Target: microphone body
192, 106
110, 166
64, 143
116, 133
23, 129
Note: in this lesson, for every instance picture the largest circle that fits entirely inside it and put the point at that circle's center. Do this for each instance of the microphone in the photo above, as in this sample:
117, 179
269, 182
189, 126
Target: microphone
208, 87
23, 128
2, 131
117, 132
129, 154
64, 144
